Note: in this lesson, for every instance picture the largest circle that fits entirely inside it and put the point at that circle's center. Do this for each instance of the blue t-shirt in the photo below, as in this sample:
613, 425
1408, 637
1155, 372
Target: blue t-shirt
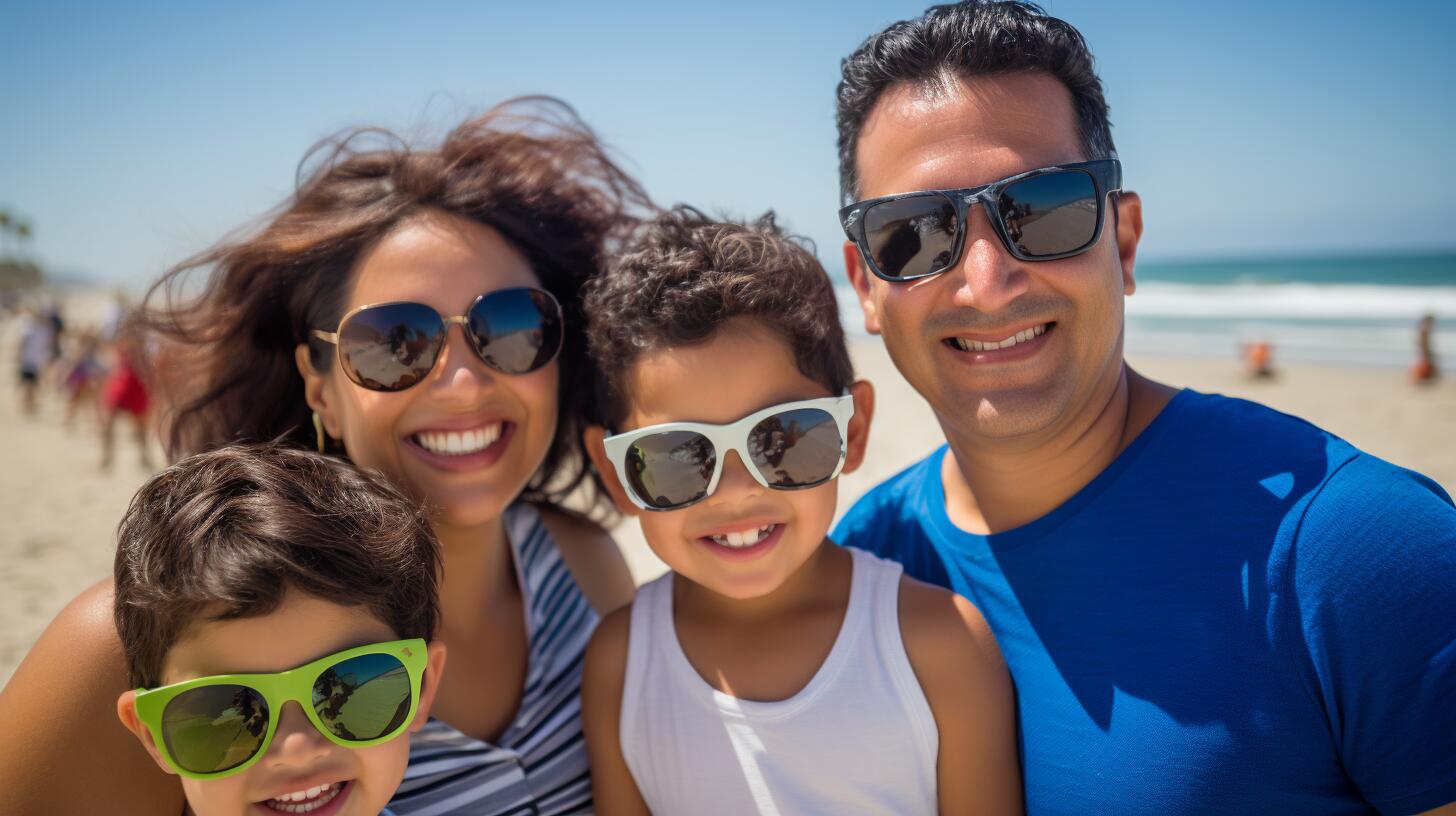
1241, 614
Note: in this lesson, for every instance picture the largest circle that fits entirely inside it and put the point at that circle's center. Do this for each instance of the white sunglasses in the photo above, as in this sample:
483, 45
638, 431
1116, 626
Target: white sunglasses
792, 446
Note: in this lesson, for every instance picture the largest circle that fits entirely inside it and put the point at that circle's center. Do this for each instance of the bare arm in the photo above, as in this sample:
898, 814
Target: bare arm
592, 556
64, 750
613, 788
960, 668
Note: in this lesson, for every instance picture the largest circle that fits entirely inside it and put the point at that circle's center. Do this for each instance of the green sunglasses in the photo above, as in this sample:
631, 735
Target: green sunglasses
213, 727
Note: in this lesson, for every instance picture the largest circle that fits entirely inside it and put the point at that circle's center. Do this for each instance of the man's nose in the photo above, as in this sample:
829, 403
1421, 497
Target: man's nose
296, 743
987, 277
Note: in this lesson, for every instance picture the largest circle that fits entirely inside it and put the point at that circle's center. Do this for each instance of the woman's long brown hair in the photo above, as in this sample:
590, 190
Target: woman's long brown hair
529, 168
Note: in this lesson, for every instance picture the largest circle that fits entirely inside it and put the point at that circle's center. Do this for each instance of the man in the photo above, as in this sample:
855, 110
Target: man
1206, 606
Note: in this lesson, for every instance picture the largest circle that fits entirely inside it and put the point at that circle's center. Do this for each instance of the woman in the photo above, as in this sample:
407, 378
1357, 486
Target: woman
417, 311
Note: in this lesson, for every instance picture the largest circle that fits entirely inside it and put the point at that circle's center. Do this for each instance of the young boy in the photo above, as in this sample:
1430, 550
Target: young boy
276, 609
770, 671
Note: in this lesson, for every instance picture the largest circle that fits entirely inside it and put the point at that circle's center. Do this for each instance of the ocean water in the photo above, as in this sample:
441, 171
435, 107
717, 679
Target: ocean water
1352, 310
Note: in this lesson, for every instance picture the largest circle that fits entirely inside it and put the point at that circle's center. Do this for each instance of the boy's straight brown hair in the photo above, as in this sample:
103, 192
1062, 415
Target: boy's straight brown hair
227, 533
683, 275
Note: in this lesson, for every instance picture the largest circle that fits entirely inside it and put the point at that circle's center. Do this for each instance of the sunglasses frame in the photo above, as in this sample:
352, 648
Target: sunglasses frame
463, 320
277, 689
1106, 177
732, 436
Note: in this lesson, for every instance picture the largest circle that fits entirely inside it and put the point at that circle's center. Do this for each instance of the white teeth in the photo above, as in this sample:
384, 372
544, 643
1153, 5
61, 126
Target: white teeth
306, 801
1020, 337
459, 443
737, 540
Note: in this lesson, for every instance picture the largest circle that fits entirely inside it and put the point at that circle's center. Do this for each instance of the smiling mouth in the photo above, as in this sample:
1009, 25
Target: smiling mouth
1022, 336
306, 801
459, 443
739, 540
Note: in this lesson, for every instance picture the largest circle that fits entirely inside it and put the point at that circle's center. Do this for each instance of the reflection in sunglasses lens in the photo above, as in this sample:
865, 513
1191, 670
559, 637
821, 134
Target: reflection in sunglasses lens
391, 347
799, 448
214, 728
364, 697
1051, 214
516, 330
911, 236
671, 469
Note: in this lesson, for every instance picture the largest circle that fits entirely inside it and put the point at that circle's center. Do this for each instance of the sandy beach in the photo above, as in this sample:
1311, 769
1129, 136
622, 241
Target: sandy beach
61, 511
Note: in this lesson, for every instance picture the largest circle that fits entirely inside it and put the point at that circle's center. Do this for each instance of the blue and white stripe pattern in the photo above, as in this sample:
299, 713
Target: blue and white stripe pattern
539, 765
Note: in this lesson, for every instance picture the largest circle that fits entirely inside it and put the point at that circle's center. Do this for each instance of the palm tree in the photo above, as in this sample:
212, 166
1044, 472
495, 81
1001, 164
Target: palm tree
4, 231
22, 236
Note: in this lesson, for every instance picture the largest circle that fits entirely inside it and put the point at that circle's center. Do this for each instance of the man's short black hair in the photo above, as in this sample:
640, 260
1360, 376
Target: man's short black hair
961, 41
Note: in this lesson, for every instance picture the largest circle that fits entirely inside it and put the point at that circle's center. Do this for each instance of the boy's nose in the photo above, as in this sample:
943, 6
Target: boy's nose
736, 482
296, 743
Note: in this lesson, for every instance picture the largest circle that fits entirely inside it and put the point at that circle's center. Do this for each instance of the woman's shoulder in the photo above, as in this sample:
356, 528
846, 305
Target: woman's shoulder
63, 695
592, 555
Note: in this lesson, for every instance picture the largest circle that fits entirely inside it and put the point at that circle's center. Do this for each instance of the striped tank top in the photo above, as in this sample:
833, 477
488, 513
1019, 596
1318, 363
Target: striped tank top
539, 764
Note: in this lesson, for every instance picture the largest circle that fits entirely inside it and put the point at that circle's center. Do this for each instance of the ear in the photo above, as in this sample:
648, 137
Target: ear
429, 683
126, 712
315, 392
859, 425
860, 279
596, 448
1129, 232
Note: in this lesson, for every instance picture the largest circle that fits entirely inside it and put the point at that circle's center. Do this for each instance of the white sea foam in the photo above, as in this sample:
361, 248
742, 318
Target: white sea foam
1292, 300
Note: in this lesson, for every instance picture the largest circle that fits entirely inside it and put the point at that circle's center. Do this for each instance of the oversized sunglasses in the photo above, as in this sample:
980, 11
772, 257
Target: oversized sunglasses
791, 446
392, 346
1040, 215
213, 727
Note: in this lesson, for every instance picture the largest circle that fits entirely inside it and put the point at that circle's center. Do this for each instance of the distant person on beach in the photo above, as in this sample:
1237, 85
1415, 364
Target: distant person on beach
767, 672
125, 392
1259, 359
37, 344
82, 371
418, 310
1206, 606
248, 578
1425, 370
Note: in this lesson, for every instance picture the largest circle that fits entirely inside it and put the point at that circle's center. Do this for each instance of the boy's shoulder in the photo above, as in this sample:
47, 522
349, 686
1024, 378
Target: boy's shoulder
945, 635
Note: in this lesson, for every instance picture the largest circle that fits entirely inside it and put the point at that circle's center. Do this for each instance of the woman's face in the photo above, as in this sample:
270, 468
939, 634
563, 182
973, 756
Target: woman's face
444, 262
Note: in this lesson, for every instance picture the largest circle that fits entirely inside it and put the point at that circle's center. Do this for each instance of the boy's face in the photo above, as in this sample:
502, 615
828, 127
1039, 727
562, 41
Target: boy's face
302, 629
744, 367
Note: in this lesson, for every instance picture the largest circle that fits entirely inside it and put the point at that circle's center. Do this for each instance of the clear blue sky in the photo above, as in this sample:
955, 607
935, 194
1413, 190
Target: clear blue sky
135, 134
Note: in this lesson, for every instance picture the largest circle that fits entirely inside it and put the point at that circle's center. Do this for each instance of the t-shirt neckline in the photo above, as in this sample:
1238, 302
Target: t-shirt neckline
982, 545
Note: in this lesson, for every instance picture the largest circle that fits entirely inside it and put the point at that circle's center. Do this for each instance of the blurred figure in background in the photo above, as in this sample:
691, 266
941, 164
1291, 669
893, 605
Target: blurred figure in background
37, 341
125, 392
83, 370
1259, 359
1424, 372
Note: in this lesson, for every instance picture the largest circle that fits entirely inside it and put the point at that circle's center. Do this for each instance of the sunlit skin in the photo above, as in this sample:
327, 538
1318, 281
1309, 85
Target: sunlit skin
1030, 425
444, 262
302, 629
741, 369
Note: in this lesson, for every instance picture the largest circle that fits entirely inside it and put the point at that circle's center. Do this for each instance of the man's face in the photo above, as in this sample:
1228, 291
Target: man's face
966, 134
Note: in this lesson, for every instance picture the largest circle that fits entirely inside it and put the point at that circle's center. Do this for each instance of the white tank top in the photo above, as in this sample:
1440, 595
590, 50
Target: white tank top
859, 738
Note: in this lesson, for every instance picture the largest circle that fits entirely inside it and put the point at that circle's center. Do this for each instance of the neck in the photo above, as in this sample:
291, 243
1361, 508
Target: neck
476, 567
994, 485
816, 580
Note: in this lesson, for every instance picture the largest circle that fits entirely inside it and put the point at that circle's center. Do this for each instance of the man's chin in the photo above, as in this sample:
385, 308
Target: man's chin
1004, 414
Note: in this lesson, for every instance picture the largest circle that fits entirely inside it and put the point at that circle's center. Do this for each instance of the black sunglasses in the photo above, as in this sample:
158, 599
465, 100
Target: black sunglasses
392, 346
1040, 215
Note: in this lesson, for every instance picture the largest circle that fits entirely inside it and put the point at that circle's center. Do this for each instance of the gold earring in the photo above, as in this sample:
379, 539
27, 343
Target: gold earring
318, 429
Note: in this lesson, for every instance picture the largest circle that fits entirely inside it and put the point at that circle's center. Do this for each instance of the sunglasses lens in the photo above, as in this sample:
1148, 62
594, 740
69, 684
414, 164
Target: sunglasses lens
1052, 214
516, 330
390, 347
364, 697
910, 237
671, 469
214, 728
799, 448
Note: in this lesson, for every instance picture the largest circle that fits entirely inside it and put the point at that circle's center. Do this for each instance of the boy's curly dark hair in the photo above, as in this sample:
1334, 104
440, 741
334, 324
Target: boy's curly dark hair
683, 275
